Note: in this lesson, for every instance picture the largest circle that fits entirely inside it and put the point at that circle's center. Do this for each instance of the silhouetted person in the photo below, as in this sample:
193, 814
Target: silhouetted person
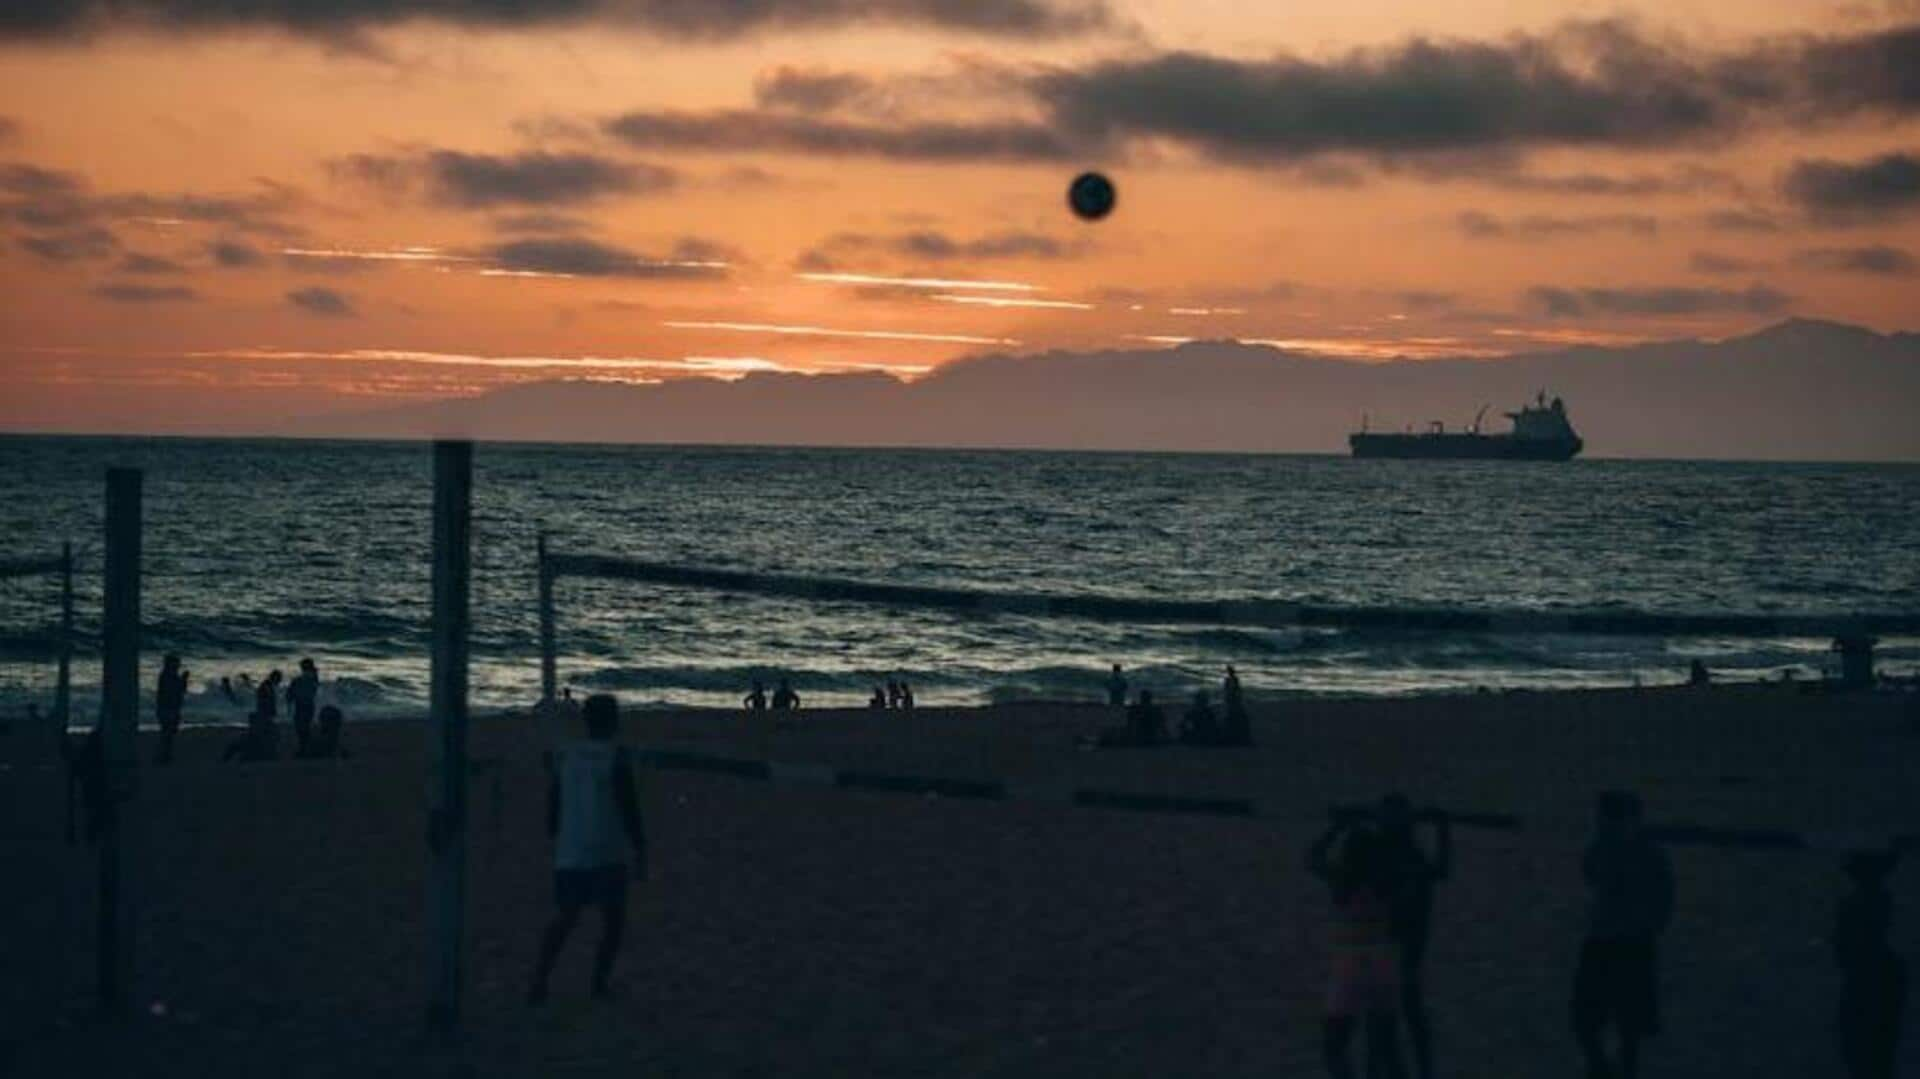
593, 815
1630, 884
756, 698
1414, 877
906, 696
1116, 688
1201, 725
169, 698
303, 693
1146, 723
226, 688
893, 693
878, 702
1235, 729
784, 698
1873, 992
1364, 972
1697, 674
261, 740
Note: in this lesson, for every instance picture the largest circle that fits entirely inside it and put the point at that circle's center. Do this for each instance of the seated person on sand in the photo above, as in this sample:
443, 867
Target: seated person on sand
1697, 674
1146, 725
1200, 726
259, 742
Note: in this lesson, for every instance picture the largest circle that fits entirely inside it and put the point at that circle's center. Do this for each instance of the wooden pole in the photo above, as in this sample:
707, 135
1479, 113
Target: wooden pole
119, 717
447, 818
549, 660
63, 683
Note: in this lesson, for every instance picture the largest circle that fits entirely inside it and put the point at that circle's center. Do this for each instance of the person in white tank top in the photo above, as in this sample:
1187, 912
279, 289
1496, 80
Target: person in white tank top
593, 815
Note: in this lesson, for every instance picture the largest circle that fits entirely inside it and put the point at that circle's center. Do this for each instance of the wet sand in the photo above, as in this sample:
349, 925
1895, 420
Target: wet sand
799, 930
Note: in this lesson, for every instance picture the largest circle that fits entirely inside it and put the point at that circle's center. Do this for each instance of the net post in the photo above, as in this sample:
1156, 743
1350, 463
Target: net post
63, 683
118, 722
447, 817
549, 660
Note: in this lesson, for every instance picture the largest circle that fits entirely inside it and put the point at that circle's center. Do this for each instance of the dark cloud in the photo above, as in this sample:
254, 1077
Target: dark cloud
1845, 192
486, 181
326, 302
540, 222
122, 292
32, 197
1685, 180
1424, 300
590, 258
1538, 226
1878, 259
930, 245
1710, 262
1740, 221
149, 264
235, 255
339, 20
810, 90
1660, 301
742, 130
72, 245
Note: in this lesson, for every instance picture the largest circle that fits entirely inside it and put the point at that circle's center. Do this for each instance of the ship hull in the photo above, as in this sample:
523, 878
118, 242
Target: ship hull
1463, 447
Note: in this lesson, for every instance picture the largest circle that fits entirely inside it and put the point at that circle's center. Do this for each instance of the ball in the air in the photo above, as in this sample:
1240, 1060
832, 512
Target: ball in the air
1091, 195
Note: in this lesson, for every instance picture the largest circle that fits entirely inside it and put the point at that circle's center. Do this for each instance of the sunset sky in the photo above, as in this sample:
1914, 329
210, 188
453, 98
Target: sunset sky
225, 207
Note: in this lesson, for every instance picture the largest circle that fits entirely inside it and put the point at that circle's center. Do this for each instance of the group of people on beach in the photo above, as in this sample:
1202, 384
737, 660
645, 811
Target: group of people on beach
1201, 725
783, 699
1382, 880
316, 728
1382, 884
896, 695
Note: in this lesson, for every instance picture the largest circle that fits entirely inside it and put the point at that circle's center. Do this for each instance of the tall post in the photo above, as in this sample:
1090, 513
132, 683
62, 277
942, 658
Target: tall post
119, 717
447, 817
63, 682
549, 660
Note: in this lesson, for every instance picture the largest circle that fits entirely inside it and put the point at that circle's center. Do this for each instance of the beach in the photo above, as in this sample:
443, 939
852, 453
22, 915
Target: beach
791, 928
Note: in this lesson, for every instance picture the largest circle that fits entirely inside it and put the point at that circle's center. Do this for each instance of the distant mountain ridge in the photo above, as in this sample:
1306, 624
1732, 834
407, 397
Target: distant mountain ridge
1800, 390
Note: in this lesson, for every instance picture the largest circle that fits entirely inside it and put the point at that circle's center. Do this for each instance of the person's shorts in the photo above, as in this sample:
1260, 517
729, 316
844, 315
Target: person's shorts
600, 886
1363, 981
1615, 982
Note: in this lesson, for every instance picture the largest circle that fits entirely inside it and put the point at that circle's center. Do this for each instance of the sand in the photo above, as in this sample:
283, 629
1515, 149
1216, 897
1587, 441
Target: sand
793, 930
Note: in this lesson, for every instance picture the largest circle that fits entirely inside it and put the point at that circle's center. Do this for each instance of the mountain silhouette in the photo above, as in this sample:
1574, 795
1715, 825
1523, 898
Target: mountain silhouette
1800, 390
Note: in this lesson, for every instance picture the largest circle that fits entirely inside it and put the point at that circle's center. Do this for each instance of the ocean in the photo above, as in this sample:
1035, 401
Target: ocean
260, 552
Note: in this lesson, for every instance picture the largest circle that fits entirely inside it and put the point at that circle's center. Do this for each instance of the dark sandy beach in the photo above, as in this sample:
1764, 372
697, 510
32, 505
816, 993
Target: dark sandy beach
799, 930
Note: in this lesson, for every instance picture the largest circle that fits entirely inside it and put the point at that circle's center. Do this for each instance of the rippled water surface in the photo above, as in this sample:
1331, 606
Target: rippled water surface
260, 552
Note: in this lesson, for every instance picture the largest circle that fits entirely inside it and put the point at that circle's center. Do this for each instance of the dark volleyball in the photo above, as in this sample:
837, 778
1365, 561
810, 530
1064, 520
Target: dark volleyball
1091, 195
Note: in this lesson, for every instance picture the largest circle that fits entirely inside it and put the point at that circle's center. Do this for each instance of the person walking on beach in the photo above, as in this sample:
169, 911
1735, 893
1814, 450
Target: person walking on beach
169, 697
1873, 993
906, 696
593, 816
1237, 730
1363, 981
1414, 876
756, 698
303, 693
784, 698
1630, 883
1116, 688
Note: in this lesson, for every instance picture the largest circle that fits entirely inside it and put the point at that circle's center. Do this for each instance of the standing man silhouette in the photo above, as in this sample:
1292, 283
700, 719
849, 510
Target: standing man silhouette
1415, 877
169, 697
593, 815
1116, 688
1630, 882
303, 693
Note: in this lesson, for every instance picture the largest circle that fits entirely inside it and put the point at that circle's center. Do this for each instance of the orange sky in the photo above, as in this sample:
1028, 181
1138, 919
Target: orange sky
344, 214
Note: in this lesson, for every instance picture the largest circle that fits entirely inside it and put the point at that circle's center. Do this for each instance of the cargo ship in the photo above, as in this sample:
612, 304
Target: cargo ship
1541, 432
